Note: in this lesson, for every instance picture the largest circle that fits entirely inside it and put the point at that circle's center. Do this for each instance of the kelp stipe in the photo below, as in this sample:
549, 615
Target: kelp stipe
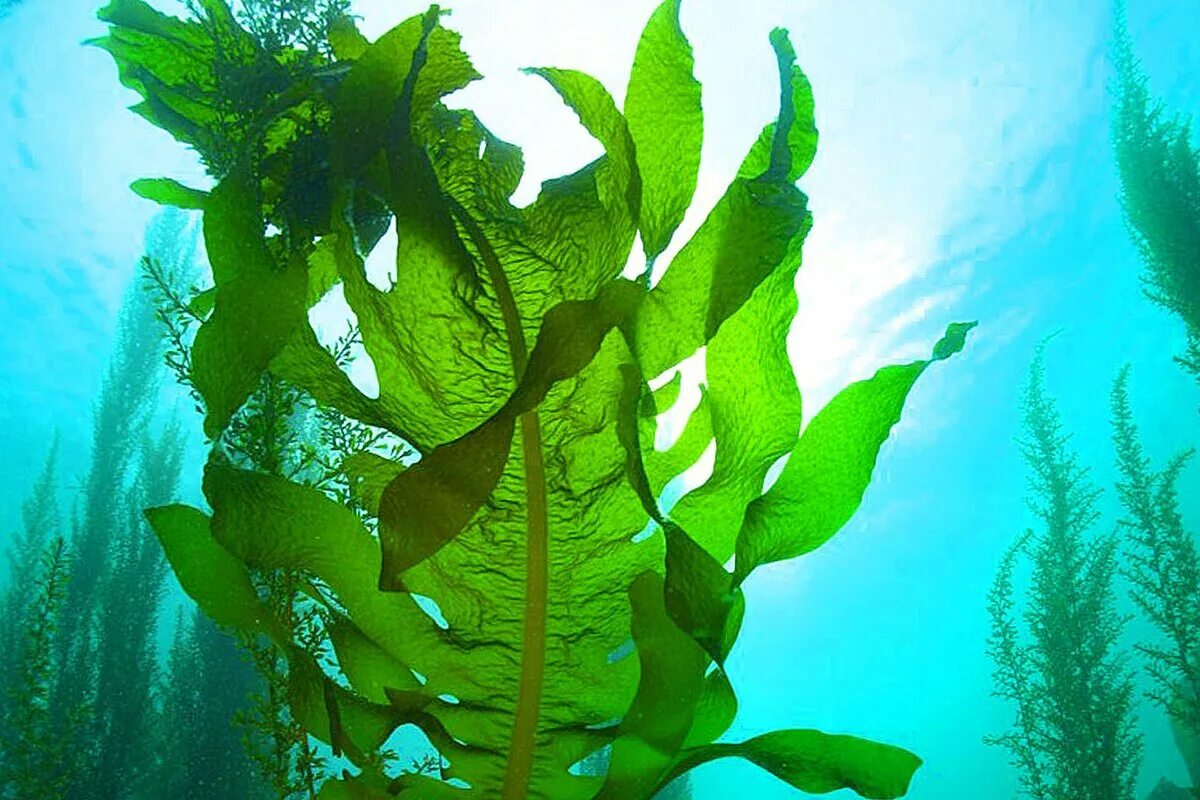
1160, 182
1062, 670
1163, 568
513, 358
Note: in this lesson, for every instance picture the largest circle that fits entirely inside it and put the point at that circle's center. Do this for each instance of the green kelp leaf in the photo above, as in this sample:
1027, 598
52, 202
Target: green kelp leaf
369, 475
701, 596
661, 715
169, 192
414, 64
218, 582
662, 105
347, 43
715, 710
752, 401
802, 137
599, 204
351, 725
201, 303
358, 787
369, 668
754, 228
818, 763
664, 465
259, 304
827, 474
437, 337
753, 407
426, 506
269, 523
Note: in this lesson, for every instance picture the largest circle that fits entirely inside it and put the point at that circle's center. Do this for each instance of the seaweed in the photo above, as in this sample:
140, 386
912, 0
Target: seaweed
487, 588
1160, 181
200, 753
1164, 572
1063, 669
40, 523
33, 749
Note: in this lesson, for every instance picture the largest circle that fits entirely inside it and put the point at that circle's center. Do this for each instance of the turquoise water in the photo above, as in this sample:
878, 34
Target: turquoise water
965, 172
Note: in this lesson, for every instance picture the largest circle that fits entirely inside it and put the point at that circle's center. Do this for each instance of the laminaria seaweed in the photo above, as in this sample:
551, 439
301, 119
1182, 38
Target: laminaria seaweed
513, 364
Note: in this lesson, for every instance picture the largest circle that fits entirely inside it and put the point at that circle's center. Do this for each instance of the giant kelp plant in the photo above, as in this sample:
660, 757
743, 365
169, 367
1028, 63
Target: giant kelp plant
512, 359
1160, 181
1057, 657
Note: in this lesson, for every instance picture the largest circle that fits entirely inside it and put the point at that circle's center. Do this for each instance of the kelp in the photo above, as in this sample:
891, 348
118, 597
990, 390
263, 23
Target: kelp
514, 360
1057, 656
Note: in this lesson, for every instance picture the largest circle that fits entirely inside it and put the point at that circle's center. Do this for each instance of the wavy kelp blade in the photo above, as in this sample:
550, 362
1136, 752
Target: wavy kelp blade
829, 471
169, 63
218, 582
438, 323
752, 230
701, 597
169, 192
426, 506
660, 717
599, 204
270, 523
662, 107
347, 42
801, 138
818, 763
714, 711
358, 787
753, 400
259, 304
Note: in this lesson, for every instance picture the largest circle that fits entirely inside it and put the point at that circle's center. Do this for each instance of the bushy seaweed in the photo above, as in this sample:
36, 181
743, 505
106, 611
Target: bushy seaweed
517, 475
34, 750
1163, 568
1057, 656
1160, 181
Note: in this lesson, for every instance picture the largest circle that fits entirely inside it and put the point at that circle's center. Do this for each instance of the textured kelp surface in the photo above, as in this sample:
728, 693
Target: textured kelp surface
514, 358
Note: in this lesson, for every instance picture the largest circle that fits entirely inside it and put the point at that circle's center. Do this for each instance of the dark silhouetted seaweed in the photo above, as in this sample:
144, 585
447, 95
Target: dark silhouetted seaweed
1058, 659
1160, 182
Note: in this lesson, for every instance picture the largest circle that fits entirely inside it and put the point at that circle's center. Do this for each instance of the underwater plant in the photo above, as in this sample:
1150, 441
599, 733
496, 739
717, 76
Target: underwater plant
1160, 191
40, 523
206, 682
32, 751
1164, 571
513, 360
1063, 670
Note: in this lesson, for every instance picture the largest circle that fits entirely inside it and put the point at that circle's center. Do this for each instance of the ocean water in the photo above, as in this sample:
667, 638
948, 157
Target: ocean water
965, 172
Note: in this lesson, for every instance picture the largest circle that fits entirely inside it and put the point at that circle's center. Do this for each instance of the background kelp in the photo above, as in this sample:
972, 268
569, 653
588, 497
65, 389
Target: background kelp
1056, 645
1160, 191
1160, 180
513, 359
